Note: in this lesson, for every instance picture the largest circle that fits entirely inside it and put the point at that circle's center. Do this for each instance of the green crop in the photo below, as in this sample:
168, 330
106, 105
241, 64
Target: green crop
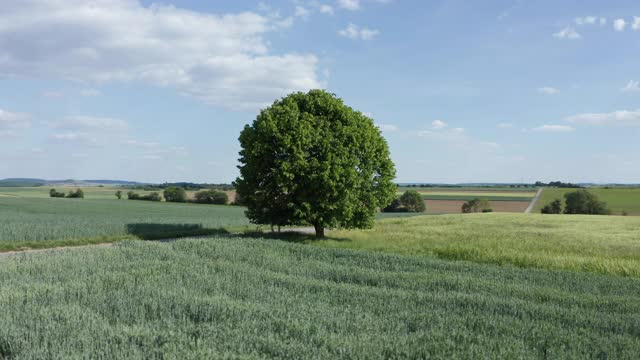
247, 298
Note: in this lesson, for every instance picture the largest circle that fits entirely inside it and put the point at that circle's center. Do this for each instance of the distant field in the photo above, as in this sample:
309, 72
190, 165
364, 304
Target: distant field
618, 199
602, 244
455, 206
90, 192
469, 188
44, 222
255, 299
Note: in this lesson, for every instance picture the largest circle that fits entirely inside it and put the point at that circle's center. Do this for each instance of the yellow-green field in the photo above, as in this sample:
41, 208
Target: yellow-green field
602, 244
618, 199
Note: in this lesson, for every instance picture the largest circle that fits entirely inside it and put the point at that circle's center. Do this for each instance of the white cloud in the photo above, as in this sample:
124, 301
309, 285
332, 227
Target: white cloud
616, 118
349, 4
326, 9
355, 32
11, 121
548, 90
619, 24
302, 12
632, 86
636, 23
90, 92
554, 128
587, 20
387, 127
438, 124
221, 59
567, 33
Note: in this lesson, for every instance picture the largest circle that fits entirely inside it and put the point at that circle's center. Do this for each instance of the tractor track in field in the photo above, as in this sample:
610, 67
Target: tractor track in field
7, 254
534, 201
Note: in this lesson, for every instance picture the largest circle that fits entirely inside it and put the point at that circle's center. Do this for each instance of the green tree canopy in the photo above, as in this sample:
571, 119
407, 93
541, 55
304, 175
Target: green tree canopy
413, 201
175, 194
310, 159
211, 197
584, 202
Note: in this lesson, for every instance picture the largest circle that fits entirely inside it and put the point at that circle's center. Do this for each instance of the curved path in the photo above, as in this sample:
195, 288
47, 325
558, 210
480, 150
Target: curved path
534, 201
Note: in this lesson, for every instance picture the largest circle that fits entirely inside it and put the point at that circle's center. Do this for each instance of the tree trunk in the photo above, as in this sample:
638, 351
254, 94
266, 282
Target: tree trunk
319, 231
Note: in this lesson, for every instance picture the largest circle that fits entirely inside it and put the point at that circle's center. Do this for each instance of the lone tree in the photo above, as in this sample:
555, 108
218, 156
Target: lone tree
310, 159
413, 201
119, 194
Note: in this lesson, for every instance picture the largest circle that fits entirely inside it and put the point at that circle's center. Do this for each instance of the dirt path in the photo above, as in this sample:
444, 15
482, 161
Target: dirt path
6, 254
534, 201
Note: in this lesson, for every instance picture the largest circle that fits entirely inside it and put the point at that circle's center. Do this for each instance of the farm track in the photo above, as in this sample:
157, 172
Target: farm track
534, 201
6, 254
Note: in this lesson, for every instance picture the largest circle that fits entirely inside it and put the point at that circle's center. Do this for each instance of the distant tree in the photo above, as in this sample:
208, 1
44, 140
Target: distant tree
475, 206
119, 194
175, 194
55, 194
154, 196
132, 195
211, 197
395, 206
554, 207
413, 201
310, 159
584, 202
78, 194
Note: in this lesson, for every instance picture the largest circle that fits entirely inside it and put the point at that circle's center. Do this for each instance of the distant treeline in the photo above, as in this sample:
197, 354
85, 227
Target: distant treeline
466, 186
558, 184
183, 185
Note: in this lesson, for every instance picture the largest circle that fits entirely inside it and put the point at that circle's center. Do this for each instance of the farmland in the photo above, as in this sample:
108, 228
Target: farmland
619, 199
450, 200
603, 244
45, 222
251, 298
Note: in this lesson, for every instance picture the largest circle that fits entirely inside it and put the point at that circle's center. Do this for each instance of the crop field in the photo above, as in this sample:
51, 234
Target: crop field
601, 244
90, 192
618, 199
455, 206
46, 222
251, 298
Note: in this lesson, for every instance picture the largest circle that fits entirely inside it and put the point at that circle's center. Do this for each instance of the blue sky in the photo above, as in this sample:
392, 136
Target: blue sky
464, 91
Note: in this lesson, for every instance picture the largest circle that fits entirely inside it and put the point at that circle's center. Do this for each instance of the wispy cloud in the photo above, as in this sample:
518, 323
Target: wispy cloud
632, 86
438, 124
567, 33
354, 32
349, 4
548, 90
554, 129
623, 118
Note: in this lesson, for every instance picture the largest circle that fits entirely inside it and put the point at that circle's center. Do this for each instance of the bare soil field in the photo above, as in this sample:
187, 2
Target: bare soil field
454, 206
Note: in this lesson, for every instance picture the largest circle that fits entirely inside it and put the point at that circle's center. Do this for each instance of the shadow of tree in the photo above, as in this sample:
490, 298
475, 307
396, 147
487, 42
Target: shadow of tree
289, 236
151, 231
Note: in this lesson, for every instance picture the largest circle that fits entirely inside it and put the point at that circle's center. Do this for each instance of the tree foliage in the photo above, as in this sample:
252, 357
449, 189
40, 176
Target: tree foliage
56, 194
78, 194
476, 206
584, 202
211, 197
554, 207
413, 201
310, 159
175, 194
119, 194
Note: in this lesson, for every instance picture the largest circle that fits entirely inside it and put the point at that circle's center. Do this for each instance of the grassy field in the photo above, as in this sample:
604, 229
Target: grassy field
29, 222
618, 199
247, 298
602, 244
